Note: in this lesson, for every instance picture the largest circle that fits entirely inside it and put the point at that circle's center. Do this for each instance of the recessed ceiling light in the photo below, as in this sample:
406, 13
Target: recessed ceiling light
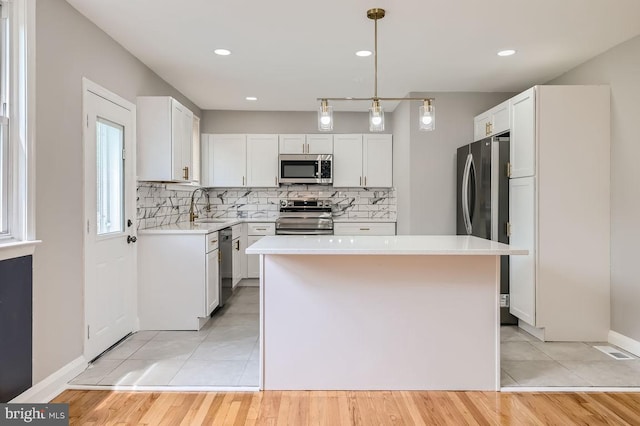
222, 52
507, 52
251, 98
363, 53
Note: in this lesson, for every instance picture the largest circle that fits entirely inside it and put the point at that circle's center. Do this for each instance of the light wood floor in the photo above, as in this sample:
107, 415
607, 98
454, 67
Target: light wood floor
351, 408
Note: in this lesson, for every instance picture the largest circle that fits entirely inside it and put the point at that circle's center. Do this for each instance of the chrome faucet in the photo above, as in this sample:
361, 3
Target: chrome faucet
192, 209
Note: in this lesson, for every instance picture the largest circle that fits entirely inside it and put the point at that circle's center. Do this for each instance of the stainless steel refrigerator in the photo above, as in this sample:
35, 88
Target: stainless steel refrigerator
483, 200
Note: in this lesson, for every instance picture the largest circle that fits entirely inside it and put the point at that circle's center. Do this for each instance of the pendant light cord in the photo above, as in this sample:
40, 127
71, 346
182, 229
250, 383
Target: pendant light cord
375, 59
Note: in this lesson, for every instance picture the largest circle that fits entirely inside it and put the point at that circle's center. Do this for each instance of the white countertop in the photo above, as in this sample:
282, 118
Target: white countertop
190, 227
381, 245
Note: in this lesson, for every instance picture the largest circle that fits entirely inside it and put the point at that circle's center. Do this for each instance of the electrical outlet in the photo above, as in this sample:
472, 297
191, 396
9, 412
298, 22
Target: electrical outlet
504, 300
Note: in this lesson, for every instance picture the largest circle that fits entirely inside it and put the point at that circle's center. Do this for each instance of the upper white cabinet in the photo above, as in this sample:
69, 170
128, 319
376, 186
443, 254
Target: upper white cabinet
306, 144
228, 158
347, 160
523, 134
363, 161
164, 140
559, 210
491, 122
195, 148
262, 161
236, 161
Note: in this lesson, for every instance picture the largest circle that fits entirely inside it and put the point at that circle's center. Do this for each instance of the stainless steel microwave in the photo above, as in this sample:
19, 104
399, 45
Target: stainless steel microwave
305, 169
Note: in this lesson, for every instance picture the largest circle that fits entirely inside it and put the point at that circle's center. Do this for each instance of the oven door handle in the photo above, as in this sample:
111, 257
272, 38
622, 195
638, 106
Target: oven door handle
304, 232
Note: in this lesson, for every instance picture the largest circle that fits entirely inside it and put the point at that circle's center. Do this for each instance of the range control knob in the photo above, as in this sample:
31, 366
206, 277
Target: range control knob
283, 203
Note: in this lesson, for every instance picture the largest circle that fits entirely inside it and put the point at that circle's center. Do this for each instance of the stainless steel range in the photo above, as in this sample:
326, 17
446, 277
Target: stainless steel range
305, 216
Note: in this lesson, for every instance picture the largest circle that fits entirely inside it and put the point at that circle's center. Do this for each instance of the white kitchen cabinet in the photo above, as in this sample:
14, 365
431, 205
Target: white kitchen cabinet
237, 254
195, 148
492, 122
561, 212
256, 231
364, 228
522, 269
262, 161
177, 280
212, 273
228, 166
319, 144
523, 134
292, 144
306, 144
164, 140
238, 160
347, 160
363, 160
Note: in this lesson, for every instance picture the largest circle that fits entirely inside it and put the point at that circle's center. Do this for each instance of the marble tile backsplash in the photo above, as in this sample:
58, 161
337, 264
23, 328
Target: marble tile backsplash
157, 205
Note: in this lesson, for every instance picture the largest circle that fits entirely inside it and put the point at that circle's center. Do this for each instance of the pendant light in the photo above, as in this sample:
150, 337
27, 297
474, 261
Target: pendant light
426, 119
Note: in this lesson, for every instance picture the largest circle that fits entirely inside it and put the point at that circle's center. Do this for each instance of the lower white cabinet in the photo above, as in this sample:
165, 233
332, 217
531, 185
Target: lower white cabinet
364, 228
238, 254
178, 277
255, 231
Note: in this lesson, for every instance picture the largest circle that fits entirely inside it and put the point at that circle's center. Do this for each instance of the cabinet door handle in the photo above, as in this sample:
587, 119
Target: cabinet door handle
360, 180
365, 229
365, 181
276, 180
242, 180
185, 173
238, 245
214, 241
261, 229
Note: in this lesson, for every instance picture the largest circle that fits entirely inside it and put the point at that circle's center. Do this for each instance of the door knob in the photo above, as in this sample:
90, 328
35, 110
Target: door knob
131, 239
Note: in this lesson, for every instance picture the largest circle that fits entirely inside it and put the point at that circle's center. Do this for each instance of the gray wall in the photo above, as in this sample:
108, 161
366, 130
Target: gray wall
620, 68
429, 160
219, 121
69, 47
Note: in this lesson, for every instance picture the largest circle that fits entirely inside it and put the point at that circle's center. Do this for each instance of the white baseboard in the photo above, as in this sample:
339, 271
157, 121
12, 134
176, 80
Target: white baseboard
53, 385
249, 282
624, 342
538, 333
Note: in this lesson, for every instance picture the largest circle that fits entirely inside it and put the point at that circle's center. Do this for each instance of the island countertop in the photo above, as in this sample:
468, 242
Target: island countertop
381, 245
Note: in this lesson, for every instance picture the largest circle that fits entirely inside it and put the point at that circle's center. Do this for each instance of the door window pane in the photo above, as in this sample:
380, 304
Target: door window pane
110, 177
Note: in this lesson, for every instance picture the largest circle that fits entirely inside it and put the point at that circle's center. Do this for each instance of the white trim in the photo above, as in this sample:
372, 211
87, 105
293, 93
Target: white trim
22, 107
135, 388
624, 342
95, 88
538, 333
52, 386
569, 389
14, 248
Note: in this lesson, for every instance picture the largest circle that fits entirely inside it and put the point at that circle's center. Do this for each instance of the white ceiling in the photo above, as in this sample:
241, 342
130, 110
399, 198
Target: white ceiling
290, 52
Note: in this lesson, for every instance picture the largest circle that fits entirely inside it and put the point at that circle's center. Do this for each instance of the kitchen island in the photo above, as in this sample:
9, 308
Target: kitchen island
380, 313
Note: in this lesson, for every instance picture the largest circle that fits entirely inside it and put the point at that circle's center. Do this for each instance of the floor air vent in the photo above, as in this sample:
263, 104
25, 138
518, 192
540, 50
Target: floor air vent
613, 352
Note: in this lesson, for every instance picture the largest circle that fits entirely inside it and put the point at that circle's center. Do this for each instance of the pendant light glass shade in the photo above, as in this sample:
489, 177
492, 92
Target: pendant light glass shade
325, 117
427, 116
376, 117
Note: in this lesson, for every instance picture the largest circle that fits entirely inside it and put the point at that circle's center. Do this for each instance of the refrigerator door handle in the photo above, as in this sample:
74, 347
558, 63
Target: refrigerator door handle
465, 194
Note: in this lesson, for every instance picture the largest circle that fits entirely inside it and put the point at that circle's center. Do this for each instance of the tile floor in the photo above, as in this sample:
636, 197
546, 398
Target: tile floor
223, 353
526, 361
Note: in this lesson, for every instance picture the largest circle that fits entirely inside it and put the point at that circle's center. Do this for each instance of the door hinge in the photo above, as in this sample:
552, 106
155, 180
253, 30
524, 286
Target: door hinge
87, 227
508, 229
124, 154
88, 336
87, 120
509, 169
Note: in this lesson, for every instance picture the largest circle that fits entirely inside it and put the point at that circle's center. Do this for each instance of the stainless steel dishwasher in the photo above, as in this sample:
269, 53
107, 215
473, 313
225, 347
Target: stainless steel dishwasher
226, 265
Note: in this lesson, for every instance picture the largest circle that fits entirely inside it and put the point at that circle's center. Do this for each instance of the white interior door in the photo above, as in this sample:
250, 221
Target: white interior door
110, 215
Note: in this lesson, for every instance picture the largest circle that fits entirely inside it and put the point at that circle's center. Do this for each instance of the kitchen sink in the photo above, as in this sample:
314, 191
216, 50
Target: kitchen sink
211, 220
